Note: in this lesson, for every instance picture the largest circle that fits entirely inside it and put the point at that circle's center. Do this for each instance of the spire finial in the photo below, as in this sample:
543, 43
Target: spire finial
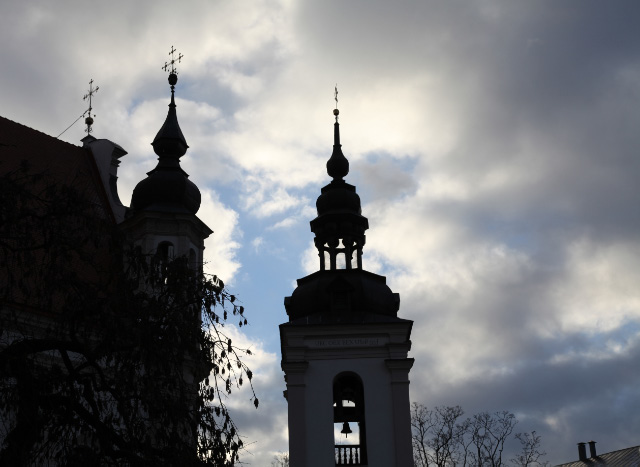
170, 66
337, 165
336, 112
89, 95
169, 144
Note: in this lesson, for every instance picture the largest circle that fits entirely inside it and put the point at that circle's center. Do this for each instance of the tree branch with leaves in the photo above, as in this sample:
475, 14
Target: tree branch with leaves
107, 357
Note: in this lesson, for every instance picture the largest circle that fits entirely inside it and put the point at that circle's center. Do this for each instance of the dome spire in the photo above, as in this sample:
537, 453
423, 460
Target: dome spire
340, 226
167, 187
342, 291
169, 144
337, 165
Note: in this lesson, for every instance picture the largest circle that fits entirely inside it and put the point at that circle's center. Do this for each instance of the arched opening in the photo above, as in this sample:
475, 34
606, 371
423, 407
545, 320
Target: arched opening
348, 420
164, 252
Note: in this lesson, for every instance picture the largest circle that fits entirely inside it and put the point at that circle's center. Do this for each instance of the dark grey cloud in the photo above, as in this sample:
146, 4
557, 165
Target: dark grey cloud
512, 238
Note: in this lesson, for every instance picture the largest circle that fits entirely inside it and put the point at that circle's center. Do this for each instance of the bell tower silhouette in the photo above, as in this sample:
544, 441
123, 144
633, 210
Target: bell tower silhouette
163, 217
344, 349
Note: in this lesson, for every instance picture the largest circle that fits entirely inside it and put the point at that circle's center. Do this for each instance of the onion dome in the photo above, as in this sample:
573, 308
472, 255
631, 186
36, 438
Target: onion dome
167, 187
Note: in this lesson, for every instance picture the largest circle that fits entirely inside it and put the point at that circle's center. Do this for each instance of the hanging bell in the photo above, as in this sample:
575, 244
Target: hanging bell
346, 429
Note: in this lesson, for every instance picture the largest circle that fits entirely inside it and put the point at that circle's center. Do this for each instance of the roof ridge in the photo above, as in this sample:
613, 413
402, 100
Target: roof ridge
618, 450
40, 132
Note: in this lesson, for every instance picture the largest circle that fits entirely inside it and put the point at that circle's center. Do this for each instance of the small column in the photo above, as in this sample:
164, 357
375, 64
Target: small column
348, 252
332, 259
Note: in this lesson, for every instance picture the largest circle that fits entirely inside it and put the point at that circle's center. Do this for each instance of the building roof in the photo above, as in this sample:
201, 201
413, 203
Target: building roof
65, 163
629, 457
56, 219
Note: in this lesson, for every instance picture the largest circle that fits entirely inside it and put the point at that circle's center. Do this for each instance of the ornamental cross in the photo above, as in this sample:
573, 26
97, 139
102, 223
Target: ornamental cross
171, 65
89, 95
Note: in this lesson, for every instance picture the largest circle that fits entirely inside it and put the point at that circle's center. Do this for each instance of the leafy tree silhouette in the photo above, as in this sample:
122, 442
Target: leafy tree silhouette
108, 355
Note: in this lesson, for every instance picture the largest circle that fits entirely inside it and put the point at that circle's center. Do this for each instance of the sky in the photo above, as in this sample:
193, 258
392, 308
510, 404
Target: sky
495, 146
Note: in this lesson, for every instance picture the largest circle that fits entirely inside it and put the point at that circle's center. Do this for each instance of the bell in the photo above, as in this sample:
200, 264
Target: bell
346, 429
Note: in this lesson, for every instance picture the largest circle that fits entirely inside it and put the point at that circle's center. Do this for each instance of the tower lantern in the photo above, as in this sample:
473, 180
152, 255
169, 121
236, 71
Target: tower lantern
344, 349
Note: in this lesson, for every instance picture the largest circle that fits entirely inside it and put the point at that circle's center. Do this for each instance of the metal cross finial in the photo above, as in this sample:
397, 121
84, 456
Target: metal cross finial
89, 95
171, 65
336, 112
91, 92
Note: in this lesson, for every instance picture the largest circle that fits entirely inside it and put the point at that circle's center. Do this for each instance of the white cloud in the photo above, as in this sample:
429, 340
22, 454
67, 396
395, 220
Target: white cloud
310, 261
257, 243
222, 245
599, 292
264, 201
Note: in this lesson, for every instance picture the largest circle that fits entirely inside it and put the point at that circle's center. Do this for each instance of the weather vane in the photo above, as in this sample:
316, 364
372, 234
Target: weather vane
336, 112
171, 65
89, 95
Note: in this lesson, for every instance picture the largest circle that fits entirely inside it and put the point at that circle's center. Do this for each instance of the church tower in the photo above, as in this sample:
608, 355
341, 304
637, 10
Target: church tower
344, 349
163, 217
162, 222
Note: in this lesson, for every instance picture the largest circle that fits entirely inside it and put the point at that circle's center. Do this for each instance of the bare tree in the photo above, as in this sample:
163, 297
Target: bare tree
438, 435
489, 432
420, 433
442, 438
530, 453
280, 460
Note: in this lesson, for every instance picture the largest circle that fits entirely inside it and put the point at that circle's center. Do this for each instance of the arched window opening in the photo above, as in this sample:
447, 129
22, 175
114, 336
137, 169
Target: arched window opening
348, 420
193, 264
325, 258
164, 254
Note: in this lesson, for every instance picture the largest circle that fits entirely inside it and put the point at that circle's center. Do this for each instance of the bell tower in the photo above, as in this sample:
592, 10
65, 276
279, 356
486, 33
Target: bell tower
344, 349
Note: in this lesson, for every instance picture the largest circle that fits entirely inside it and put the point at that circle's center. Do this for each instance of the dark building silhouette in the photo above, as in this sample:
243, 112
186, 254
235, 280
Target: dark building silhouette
161, 221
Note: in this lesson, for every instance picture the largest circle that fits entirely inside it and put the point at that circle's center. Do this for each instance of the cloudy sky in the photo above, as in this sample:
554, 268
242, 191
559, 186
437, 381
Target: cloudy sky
495, 146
